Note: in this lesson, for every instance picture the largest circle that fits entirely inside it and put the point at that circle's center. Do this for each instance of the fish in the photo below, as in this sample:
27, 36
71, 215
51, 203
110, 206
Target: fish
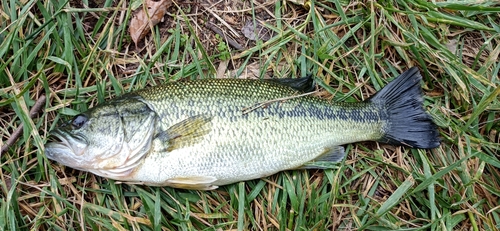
202, 134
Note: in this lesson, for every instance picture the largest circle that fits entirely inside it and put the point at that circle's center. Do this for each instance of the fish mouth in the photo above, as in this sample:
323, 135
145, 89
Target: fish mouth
62, 143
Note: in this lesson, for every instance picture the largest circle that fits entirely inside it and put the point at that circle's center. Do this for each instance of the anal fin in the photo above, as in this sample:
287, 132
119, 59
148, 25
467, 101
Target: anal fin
193, 182
329, 156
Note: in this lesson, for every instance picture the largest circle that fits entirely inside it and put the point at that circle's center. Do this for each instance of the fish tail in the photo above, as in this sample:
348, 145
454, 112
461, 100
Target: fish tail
408, 124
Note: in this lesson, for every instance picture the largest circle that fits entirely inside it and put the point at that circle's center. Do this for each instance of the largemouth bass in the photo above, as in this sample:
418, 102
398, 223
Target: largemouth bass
201, 134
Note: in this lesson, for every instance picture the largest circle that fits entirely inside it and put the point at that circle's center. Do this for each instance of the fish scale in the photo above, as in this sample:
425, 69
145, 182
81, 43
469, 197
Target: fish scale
201, 134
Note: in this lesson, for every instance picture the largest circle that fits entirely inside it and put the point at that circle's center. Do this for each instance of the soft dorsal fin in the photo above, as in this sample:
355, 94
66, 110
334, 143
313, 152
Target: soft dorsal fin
304, 84
185, 133
330, 155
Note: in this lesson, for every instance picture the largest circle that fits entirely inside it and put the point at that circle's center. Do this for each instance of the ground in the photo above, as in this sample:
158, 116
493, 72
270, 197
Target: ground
58, 58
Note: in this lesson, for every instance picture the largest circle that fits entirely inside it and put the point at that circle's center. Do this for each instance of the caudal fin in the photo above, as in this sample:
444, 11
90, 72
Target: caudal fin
409, 124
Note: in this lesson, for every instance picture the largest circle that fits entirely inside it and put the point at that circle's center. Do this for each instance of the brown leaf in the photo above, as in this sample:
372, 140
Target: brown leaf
143, 21
256, 31
251, 71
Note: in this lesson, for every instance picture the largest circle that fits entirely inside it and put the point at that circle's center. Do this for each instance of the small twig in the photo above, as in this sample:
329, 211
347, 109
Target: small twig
264, 104
256, 6
222, 21
33, 112
229, 40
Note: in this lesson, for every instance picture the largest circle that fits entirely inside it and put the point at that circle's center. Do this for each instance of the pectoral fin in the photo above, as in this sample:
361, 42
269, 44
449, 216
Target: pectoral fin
327, 158
185, 133
193, 182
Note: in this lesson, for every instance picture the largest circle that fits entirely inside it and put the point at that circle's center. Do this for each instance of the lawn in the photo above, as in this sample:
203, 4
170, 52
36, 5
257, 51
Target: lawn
59, 58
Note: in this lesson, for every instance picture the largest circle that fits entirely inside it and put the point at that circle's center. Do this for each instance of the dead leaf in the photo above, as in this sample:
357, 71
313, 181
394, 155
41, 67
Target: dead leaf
221, 70
452, 45
251, 71
256, 31
143, 21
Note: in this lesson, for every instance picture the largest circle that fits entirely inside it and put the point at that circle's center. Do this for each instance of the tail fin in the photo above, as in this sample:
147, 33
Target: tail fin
409, 124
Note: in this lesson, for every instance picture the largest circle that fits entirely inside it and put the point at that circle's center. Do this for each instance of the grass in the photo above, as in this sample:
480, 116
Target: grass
79, 56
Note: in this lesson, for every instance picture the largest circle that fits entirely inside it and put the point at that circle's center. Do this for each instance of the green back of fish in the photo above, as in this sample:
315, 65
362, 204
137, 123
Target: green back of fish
242, 100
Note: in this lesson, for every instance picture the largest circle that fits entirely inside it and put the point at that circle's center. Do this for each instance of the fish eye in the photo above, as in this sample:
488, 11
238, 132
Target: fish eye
78, 121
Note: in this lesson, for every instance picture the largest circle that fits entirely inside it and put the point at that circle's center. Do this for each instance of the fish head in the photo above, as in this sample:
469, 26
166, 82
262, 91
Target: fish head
108, 140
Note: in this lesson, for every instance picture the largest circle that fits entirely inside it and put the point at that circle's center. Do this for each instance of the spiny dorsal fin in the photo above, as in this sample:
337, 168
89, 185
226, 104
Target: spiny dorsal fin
186, 133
